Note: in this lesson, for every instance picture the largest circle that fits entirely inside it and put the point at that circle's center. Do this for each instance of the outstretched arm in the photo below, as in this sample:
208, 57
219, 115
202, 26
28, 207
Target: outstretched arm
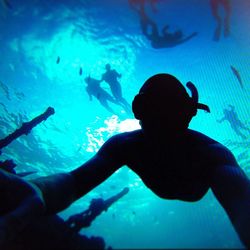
22, 201
60, 190
231, 187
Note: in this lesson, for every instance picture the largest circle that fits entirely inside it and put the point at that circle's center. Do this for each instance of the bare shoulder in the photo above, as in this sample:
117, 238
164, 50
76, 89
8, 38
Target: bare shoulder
123, 139
119, 145
215, 152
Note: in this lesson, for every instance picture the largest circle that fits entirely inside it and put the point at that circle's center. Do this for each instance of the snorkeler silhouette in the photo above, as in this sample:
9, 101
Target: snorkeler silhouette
236, 124
165, 39
226, 4
110, 77
94, 89
97, 206
173, 161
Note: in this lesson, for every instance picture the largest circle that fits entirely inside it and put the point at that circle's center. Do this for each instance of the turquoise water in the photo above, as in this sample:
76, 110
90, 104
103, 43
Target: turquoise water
87, 35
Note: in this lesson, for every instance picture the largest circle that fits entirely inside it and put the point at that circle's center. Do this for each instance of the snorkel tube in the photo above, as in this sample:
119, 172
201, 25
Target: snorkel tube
195, 98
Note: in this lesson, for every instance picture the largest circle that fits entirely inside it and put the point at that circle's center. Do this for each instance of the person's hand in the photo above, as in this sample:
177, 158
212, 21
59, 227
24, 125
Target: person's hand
20, 203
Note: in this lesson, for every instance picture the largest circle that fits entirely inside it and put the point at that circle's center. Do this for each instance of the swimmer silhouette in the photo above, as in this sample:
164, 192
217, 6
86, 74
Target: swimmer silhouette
110, 77
173, 161
165, 39
236, 124
226, 5
97, 206
94, 89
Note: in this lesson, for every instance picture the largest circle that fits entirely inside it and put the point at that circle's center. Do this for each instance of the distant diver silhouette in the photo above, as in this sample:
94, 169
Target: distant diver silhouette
110, 77
236, 124
165, 39
97, 206
226, 4
94, 89
26, 127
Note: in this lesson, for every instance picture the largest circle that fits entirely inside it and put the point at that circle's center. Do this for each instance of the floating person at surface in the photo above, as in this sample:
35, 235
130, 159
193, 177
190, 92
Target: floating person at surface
97, 206
172, 160
165, 39
236, 124
226, 4
110, 77
94, 89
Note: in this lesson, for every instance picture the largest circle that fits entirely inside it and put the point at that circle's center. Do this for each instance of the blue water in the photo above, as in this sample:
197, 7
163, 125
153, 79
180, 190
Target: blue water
88, 34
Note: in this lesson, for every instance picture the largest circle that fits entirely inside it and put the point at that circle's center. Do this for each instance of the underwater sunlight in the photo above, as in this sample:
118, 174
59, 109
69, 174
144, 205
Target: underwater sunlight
59, 54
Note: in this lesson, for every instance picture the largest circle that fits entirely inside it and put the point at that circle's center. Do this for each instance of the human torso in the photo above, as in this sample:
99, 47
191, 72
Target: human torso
110, 77
180, 171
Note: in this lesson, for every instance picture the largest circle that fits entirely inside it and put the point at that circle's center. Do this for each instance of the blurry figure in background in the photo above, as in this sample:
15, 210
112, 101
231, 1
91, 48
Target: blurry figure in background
110, 77
236, 124
94, 89
165, 39
97, 206
226, 4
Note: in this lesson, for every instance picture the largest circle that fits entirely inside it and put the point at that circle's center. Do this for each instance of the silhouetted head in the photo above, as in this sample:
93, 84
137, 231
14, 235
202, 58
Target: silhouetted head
87, 79
107, 66
163, 103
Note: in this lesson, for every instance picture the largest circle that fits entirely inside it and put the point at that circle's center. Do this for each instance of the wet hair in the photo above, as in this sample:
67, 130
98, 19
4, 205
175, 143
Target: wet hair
164, 94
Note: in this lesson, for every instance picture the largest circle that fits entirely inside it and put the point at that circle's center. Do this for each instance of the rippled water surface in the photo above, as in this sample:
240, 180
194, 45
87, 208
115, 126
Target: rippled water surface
49, 47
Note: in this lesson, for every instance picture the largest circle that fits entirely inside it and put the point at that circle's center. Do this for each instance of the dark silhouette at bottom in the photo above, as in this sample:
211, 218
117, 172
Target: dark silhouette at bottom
52, 232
